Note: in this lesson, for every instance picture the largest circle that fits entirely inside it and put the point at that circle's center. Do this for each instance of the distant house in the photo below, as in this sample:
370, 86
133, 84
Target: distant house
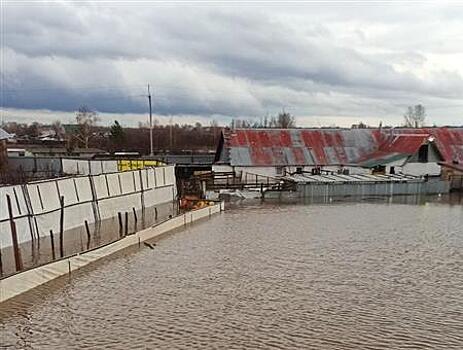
274, 152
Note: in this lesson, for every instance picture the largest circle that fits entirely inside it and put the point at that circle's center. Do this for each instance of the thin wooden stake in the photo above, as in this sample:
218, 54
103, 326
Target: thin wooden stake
126, 223
61, 228
135, 215
52, 240
119, 215
1, 263
87, 229
14, 237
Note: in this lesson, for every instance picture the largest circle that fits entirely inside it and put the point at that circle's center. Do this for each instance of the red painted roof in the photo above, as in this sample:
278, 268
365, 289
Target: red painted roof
274, 147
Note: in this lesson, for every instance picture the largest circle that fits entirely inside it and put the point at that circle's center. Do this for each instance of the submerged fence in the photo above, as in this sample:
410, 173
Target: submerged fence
362, 189
48, 208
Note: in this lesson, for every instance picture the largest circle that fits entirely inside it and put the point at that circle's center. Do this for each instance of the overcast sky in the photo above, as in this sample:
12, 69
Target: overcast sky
326, 63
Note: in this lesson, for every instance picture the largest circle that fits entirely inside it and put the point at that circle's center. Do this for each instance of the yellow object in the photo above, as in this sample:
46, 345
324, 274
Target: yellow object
136, 164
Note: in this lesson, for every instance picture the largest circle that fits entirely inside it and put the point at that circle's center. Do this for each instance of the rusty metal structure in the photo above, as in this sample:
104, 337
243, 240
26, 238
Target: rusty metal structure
322, 147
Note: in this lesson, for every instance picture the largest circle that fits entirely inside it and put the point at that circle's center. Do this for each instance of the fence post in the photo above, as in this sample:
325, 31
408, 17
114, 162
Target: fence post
52, 245
14, 237
87, 229
61, 228
1, 263
30, 211
119, 215
126, 223
142, 194
135, 215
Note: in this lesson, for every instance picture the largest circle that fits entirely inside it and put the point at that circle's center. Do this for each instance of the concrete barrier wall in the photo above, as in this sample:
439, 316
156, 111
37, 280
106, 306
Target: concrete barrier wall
37, 205
88, 167
22, 282
54, 166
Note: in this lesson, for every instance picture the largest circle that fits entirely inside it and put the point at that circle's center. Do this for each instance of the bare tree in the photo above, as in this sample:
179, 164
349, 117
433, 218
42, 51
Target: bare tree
86, 119
58, 129
414, 116
285, 120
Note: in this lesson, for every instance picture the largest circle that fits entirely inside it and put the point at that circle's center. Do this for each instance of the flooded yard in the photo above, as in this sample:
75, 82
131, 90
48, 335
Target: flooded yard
345, 275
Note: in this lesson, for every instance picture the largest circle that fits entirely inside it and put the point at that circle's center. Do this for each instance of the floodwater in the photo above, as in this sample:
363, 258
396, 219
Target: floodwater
285, 276
39, 252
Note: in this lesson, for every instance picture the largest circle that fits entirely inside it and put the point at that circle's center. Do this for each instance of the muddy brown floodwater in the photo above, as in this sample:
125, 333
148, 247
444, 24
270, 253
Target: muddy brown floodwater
283, 276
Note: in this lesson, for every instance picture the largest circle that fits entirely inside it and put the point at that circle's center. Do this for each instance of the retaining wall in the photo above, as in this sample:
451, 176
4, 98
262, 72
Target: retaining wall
36, 206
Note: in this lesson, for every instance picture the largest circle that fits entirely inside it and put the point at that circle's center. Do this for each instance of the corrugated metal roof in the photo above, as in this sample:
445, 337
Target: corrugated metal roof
279, 147
283, 147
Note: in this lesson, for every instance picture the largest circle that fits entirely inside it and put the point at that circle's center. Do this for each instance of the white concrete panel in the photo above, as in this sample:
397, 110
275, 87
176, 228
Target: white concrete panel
158, 196
109, 166
18, 206
159, 176
83, 168
127, 182
101, 189
96, 167
113, 184
111, 206
137, 180
44, 196
22, 229
69, 166
84, 188
151, 178
67, 188
170, 175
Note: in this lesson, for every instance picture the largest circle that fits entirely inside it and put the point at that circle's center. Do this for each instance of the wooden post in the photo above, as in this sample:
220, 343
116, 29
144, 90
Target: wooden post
52, 240
1, 263
119, 215
14, 237
135, 215
126, 223
87, 229
61, 228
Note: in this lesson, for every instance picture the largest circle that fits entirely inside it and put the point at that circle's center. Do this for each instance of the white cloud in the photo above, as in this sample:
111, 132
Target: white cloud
340, 61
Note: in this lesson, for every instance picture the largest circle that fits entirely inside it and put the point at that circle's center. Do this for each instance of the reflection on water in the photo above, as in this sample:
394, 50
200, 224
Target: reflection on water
272, 275
77, 240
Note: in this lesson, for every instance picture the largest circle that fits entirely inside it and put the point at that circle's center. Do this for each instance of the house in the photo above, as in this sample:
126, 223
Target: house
275, 152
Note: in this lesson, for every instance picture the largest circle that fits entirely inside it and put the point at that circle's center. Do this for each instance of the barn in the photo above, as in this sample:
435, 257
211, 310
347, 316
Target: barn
276, 152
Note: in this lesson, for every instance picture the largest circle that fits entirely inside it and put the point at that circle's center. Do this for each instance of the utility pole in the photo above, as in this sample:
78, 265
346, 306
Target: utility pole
151, 123
170, 134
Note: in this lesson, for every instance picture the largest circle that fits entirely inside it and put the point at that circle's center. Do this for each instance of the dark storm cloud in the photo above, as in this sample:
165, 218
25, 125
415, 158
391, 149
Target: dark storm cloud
238, 61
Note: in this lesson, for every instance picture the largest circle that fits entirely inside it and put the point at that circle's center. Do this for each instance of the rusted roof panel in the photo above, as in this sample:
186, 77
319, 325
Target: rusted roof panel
279, 147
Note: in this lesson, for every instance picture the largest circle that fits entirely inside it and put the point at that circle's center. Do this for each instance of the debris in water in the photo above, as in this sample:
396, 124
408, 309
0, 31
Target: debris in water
151, 245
